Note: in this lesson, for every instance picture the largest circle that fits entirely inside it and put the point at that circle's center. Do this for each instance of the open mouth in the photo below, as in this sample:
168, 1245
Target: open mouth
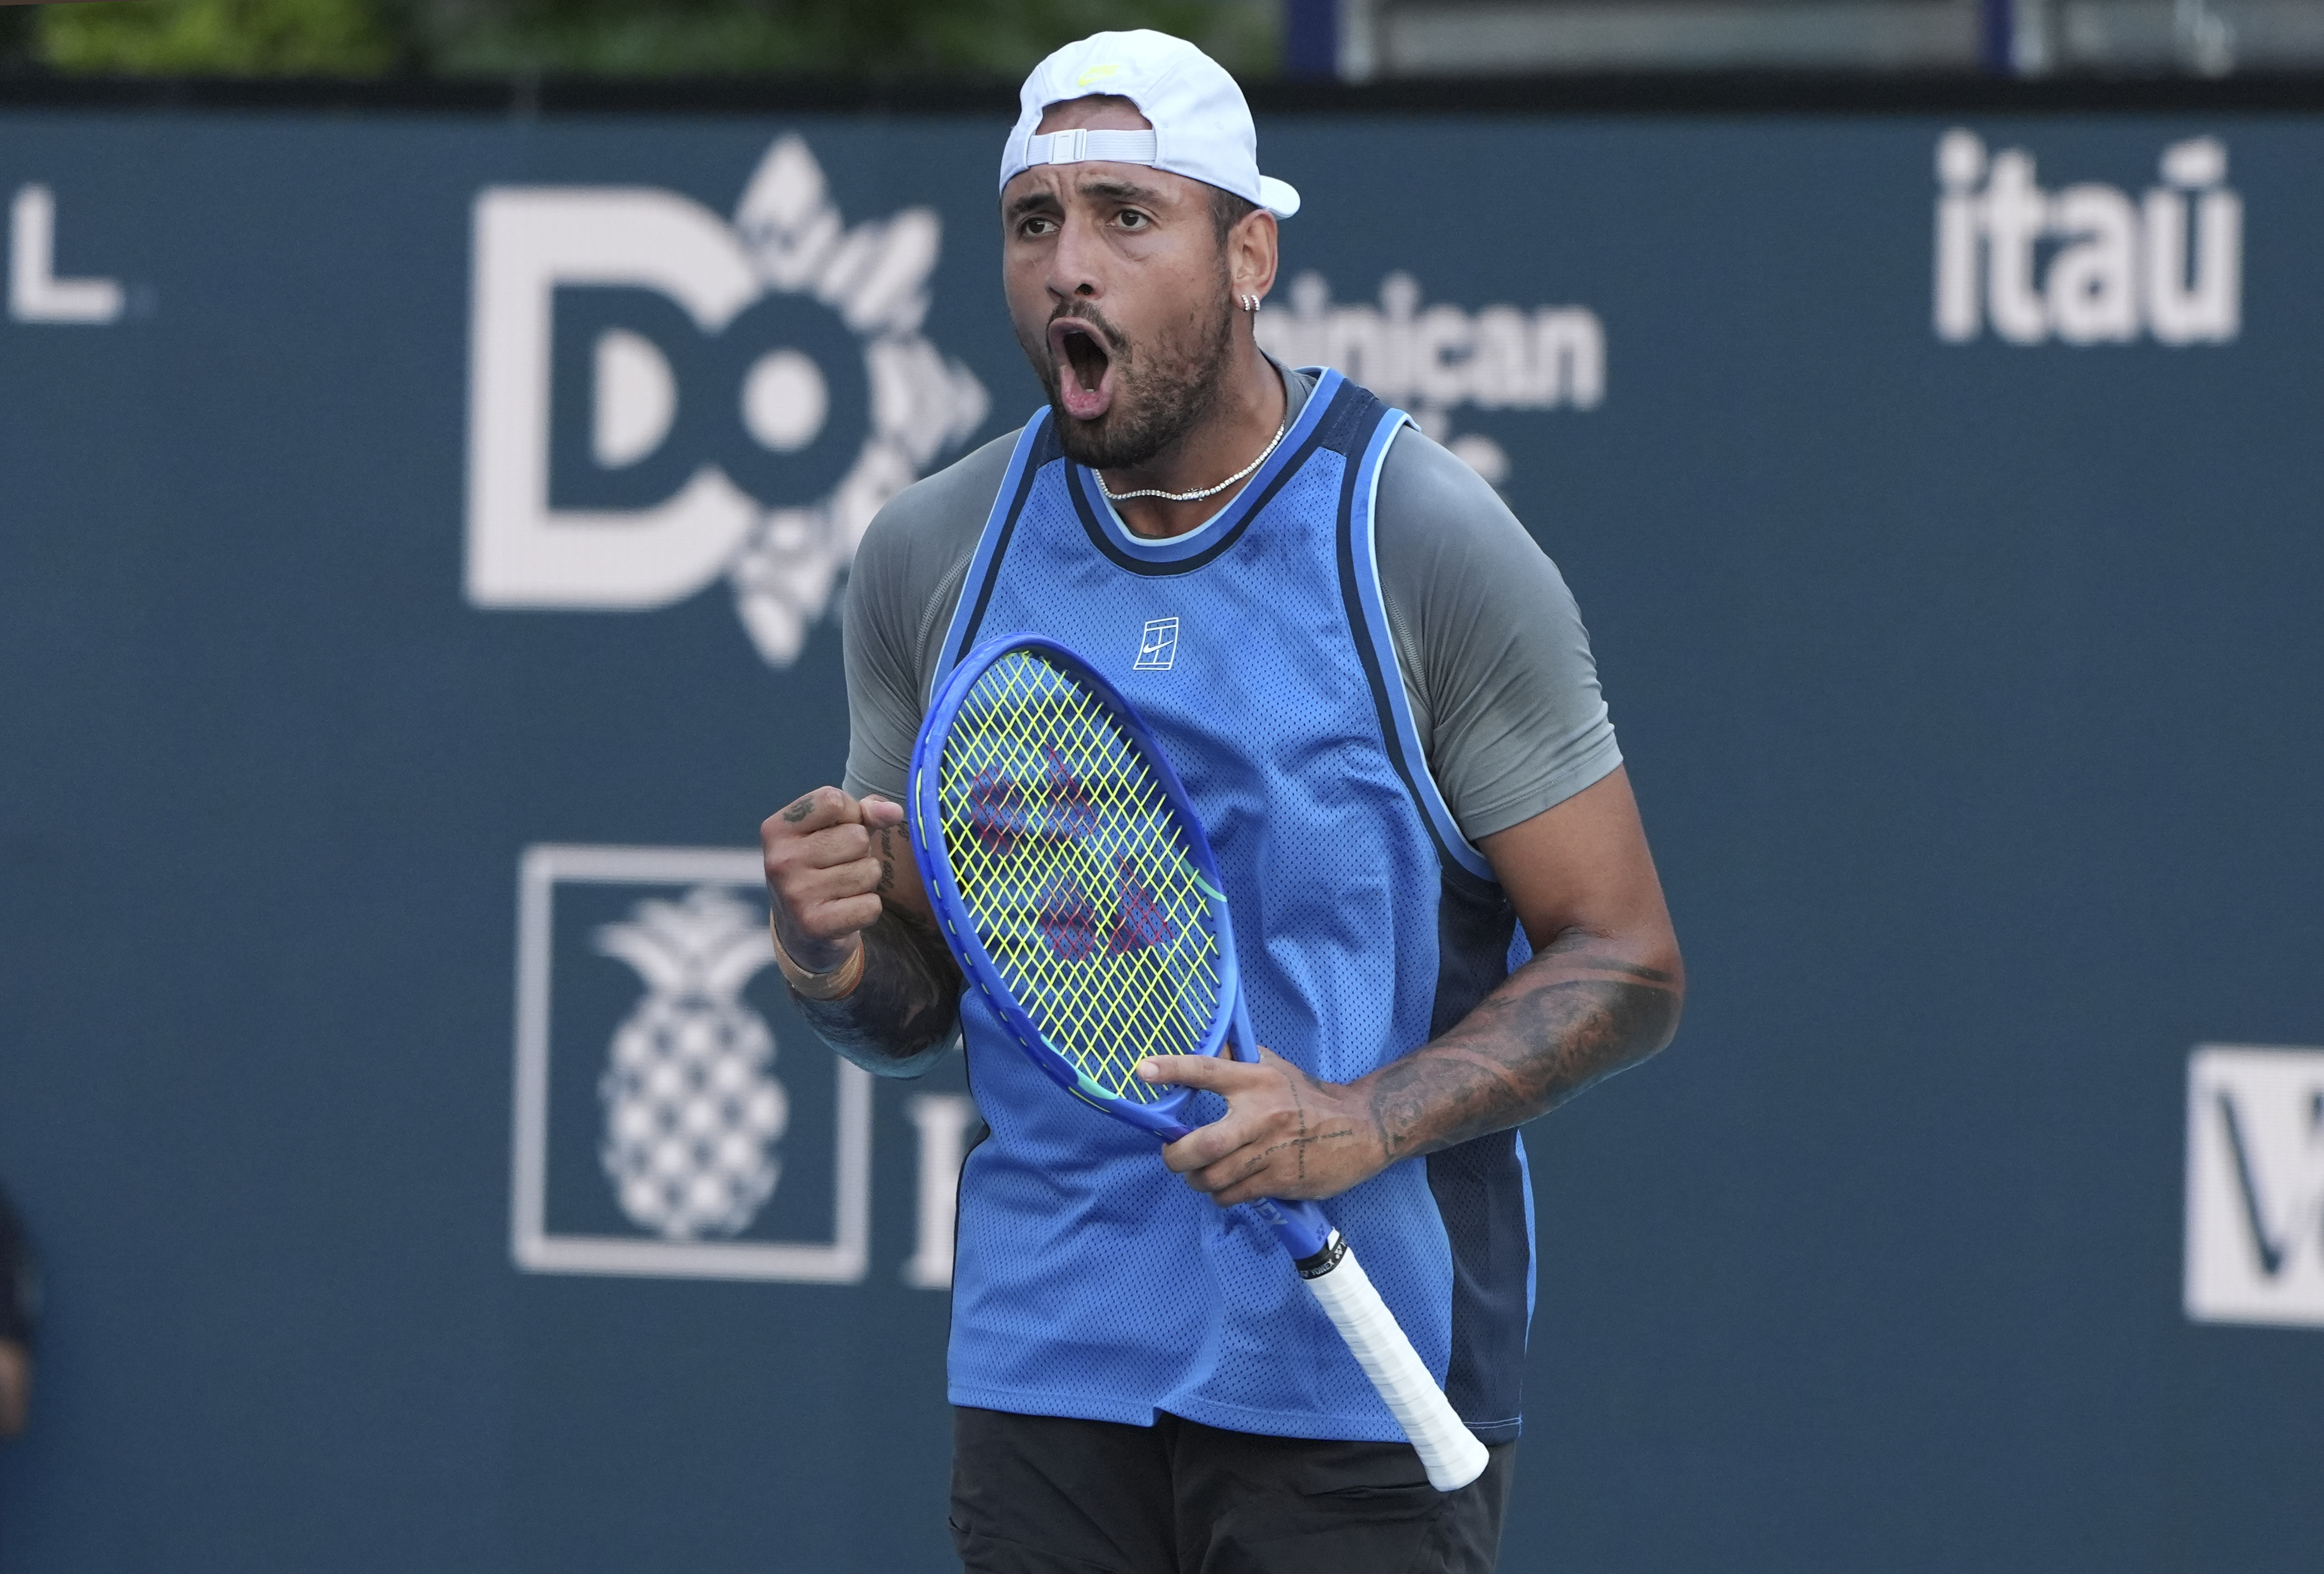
1084, 370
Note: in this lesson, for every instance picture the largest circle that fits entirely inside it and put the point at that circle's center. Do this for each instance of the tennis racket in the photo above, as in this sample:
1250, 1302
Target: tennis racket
1071, 878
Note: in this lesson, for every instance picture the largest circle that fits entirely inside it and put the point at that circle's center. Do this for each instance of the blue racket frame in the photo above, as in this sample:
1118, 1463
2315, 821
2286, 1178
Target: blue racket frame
1301, 1225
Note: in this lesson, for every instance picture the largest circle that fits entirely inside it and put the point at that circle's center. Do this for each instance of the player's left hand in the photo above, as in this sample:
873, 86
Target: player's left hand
1283, 1134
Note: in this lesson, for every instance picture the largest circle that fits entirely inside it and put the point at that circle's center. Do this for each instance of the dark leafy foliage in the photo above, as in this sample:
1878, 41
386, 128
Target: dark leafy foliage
622, 38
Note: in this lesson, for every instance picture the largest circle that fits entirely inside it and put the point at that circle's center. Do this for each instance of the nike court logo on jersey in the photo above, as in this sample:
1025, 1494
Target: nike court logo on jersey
1157, 645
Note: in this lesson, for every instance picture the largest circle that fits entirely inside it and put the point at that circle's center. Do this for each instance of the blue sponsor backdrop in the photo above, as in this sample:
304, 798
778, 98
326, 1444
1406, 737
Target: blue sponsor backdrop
1970, 689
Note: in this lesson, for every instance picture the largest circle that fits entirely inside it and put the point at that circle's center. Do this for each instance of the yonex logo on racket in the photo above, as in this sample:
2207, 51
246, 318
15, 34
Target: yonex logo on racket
1157, 645
1068, 921
1070, 811
1140, 919
994, 817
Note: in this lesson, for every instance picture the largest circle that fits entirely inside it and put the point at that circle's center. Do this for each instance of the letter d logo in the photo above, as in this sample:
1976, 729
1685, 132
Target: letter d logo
524, 551
659, 397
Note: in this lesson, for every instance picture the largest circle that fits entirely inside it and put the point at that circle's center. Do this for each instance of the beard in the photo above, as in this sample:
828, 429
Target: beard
1161, 391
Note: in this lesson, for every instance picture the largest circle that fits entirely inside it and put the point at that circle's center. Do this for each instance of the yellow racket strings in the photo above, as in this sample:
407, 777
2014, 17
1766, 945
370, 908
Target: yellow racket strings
1075, 870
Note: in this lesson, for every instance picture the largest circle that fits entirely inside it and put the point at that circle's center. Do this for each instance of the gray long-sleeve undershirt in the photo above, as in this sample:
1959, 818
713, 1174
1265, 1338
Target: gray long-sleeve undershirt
1494, 658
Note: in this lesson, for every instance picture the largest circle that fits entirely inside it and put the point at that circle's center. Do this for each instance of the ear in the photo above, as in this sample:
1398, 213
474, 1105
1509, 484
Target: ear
1250, 254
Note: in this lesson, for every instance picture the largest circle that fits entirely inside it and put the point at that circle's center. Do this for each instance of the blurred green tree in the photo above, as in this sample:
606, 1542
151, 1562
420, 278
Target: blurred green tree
366, 38
242, 38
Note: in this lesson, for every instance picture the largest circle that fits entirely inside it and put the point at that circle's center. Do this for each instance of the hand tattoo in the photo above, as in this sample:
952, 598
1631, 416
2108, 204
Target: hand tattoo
1304, 1089
799, 810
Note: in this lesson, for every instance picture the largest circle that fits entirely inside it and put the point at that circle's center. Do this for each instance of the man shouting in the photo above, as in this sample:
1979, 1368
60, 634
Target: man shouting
1382, 702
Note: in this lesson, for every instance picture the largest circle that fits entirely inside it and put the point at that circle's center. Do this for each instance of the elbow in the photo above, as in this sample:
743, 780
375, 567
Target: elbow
901, 1065
899, 1052
1673, 964
1661, 963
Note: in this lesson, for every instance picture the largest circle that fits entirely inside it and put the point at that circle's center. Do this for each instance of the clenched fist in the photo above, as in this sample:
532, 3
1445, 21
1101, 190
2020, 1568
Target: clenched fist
832, 863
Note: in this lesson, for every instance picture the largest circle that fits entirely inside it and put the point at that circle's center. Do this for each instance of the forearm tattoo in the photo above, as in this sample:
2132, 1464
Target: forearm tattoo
906, 1005
1576, 1013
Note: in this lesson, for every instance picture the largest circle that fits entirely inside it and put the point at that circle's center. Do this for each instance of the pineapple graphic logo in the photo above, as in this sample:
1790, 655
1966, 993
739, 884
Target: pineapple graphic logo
692, 1111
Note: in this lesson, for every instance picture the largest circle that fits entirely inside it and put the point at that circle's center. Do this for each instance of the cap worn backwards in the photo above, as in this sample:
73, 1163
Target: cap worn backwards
1202, 127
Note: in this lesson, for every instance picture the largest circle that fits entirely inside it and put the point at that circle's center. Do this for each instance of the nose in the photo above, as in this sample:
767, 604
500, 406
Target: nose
1074, 265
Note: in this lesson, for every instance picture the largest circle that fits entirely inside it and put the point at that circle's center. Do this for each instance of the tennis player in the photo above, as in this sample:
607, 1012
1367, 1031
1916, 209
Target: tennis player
1382, 702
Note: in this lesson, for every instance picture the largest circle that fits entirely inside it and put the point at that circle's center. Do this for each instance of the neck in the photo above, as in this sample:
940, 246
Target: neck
1250, 411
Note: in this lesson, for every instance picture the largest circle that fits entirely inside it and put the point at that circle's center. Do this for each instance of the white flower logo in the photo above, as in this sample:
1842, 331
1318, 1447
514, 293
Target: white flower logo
875, 277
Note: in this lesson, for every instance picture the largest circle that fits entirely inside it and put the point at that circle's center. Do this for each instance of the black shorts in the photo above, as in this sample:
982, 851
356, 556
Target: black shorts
1038, 1494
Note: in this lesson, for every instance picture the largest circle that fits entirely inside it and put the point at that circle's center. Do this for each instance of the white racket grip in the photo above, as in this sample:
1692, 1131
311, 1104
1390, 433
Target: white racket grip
1449, 1450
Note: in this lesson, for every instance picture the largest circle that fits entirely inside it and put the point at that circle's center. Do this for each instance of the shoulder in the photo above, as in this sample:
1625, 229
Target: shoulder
919, 539
911, 561
1423, 472
1495, 654
933, 519
1438, 525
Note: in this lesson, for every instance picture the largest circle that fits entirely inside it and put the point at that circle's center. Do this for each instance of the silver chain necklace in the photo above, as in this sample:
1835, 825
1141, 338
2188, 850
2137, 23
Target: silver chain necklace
1113, 496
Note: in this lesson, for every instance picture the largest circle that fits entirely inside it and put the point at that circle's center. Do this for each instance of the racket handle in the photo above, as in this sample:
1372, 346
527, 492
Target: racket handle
1448, 1450
1300, 1225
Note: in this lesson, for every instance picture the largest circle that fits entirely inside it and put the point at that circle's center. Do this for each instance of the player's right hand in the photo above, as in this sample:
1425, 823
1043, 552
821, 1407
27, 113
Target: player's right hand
830, 859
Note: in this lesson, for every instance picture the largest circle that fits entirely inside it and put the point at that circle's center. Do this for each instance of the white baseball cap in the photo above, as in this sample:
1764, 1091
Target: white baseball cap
1202, 126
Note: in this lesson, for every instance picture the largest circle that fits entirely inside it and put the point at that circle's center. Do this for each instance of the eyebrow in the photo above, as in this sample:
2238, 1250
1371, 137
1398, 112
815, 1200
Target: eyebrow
1036, 201
1118, 190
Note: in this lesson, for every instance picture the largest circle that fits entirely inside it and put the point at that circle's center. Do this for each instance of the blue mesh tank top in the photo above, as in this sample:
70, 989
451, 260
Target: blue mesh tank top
1089, 1280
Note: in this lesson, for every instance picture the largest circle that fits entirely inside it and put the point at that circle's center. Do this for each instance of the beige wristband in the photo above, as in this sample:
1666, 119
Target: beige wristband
835, 984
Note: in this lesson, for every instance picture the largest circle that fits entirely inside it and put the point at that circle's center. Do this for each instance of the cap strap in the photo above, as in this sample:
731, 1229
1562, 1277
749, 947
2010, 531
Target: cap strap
1083, 145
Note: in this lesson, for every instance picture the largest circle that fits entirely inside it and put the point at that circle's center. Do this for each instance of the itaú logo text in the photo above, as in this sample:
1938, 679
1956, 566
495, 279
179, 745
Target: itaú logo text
659, 398
2087, 264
